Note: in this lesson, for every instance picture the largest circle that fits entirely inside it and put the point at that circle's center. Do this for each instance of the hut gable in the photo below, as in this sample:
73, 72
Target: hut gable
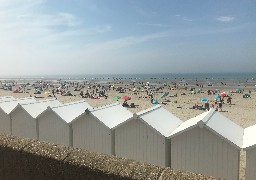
160, 120
70, 111
112, 115
217, 123
249, 140
189, 124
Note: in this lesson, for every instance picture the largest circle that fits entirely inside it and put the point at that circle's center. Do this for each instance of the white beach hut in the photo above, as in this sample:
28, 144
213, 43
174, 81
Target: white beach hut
93, 130
209, 144
144, 136
7, 98
5, 109
249, 145
24, 117
54, 123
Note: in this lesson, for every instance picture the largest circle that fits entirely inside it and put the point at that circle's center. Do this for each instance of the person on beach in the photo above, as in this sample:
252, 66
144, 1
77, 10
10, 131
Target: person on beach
125, 104
216, 101
82, 94
229, 100
53, 92
207, 106
220, 106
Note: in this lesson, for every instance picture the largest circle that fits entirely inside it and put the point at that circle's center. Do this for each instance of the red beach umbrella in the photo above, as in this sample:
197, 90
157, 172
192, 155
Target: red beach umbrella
223, 94
126, 98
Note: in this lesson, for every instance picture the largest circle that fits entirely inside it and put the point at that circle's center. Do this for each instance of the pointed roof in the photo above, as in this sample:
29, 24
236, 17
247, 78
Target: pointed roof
35, 109
112, 115
160, 119
189, 124
217, 123
8, 106
249, 140
70, 111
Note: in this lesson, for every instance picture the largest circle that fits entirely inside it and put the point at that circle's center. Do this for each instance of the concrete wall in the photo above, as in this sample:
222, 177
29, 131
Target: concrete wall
29, 159
201, 151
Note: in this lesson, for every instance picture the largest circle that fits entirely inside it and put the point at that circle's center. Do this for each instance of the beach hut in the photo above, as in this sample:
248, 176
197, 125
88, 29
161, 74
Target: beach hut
249, 145
6, 98
24, 117
54, 123
93, 130
5, 109
209, 144
144, 136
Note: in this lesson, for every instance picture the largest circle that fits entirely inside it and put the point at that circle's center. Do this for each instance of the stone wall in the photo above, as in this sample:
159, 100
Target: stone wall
29, 159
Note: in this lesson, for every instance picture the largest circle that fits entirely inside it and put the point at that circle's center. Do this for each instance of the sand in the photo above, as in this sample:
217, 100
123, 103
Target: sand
242, 110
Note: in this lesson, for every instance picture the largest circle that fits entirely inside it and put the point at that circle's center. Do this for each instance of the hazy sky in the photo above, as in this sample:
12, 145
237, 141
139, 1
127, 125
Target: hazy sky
51, 37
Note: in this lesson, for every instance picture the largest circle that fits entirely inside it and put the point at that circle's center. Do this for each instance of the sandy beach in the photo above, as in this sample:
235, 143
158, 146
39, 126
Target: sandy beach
180, 98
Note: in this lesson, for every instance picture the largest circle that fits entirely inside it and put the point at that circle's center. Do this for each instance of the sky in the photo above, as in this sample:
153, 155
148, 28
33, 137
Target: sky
56, 37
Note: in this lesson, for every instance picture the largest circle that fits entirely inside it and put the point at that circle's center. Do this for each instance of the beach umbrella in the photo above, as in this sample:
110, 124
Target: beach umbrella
47, 92
155, 102
193, 92
217, 96
126, 98
117, 98
223, 94
164, 94
204, 99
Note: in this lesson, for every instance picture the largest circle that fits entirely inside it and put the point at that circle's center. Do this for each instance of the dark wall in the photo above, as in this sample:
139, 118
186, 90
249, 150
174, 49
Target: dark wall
29, 159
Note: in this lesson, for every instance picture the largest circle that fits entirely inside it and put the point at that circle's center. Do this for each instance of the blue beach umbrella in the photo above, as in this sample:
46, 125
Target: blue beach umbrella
155, 102
204, 99
217, 96
164, 94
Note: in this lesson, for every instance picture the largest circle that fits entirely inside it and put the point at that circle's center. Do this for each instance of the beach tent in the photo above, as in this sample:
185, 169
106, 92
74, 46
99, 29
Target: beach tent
209, 144
54, 123
249, 145
5, 108
93, 130
246, 96
24, 117
144, 136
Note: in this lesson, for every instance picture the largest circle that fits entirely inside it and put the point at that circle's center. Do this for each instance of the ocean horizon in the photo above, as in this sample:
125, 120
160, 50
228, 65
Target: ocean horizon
186, 76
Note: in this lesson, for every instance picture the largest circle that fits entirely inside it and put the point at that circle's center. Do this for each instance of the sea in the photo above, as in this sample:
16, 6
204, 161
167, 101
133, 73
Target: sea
231, 79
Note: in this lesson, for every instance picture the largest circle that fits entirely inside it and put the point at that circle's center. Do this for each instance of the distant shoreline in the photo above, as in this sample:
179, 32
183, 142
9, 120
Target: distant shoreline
239, 75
